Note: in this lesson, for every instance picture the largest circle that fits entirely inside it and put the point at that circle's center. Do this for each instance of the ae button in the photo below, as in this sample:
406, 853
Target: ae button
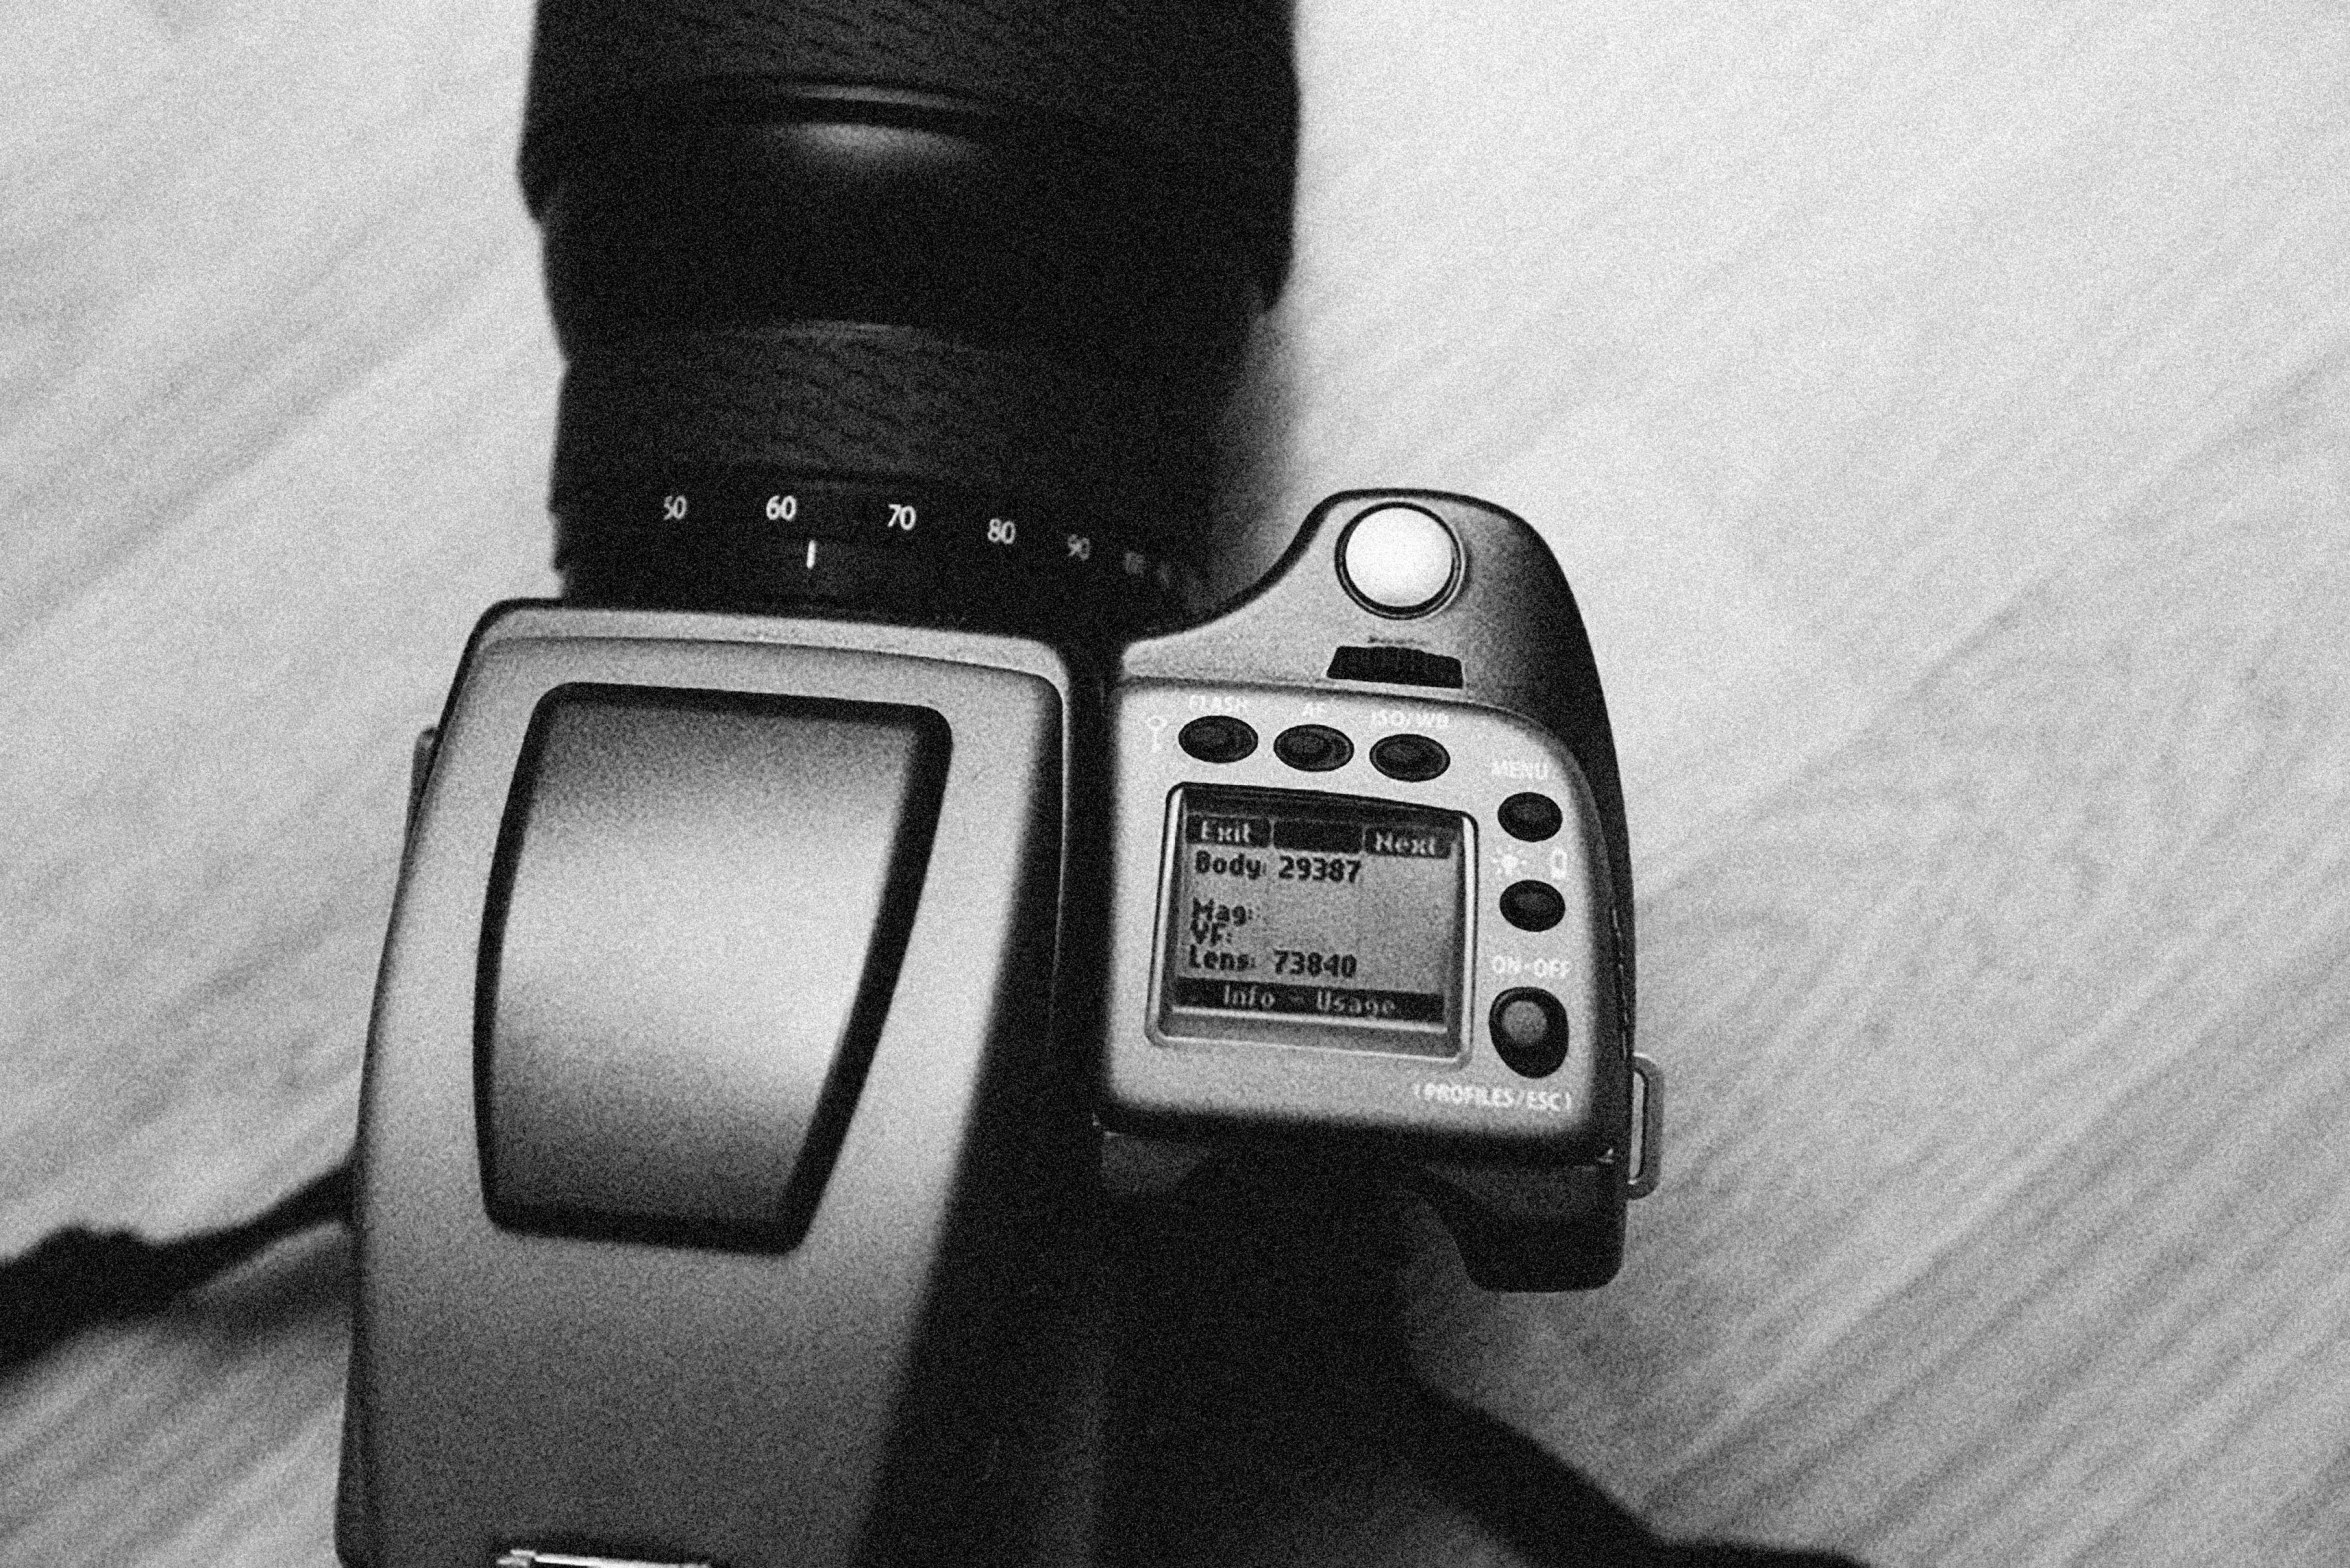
1313, 748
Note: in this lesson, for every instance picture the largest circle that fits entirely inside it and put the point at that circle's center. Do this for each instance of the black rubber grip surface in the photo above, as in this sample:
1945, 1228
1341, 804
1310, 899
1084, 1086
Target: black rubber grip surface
1207, 83
870, 402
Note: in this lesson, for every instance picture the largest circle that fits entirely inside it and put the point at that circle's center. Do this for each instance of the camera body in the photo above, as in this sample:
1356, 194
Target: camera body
1369, 887
767, 1000
862, 891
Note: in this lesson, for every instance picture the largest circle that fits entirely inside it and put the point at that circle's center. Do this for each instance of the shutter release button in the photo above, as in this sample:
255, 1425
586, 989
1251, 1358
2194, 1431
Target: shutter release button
1398, 560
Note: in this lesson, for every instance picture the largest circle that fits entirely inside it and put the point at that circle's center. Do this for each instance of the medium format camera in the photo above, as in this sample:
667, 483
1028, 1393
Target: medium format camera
870, 882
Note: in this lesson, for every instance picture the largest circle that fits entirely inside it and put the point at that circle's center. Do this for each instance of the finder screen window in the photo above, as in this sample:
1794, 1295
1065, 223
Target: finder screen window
1313, 920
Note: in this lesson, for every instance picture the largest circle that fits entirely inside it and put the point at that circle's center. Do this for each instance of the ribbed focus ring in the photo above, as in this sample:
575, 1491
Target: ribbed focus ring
873, 402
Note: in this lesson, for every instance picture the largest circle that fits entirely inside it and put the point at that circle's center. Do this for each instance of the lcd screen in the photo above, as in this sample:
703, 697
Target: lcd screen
1314, 920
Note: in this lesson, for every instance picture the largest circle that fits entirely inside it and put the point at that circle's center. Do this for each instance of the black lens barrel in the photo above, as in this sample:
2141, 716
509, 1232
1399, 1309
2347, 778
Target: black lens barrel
985, 265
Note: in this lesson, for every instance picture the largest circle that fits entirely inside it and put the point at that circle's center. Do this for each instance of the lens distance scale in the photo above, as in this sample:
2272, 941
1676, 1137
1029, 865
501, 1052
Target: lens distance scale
750, 539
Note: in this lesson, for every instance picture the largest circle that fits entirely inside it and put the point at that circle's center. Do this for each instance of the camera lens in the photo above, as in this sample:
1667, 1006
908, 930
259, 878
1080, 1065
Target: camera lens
915, 311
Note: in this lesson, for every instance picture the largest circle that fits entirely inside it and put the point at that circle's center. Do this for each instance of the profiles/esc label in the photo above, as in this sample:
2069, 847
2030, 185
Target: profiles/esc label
1495, 1097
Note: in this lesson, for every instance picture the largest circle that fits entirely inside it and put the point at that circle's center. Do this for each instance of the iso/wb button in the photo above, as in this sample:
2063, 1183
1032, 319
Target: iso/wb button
1414, 759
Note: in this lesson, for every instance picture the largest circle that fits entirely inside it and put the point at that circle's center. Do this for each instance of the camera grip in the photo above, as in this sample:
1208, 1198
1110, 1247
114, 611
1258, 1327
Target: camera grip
1372, 895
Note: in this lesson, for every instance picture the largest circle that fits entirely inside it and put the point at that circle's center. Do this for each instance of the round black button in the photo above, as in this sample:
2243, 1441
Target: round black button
1530, 817
1411, 758
1532, 906
1217, 738
1314, 748
1529, 1031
